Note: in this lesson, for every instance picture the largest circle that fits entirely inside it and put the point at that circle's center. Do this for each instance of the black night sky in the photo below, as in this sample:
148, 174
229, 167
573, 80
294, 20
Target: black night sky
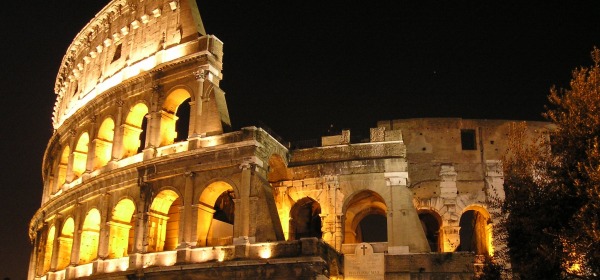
301, 66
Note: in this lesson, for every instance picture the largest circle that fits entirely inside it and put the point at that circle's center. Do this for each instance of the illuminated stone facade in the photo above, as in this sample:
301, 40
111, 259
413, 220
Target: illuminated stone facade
143, 177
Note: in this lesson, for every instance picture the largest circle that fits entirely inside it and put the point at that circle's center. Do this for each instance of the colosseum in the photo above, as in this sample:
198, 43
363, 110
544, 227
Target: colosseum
144, 177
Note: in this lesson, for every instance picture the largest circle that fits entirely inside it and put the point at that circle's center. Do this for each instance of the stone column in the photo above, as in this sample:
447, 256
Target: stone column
451, 237
196, 105
76, 235
56, 245
91, 154
117, 148
36, 258
237, 212
70, 176
448, 193
339, 231
140, 227
186, 221
103, 238
32, 269
245, 186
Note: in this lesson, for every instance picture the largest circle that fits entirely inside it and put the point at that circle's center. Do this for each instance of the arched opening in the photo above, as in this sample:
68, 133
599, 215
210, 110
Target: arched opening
431, 222
277, 169
371, 227
90, 232
305, 219
47, 254
475, 232
163, 224
65, 244
175, 117
63, 163
134, 130
366, 219
182, 125
80, 155
216, 215
121, 229
104, 143
142, 137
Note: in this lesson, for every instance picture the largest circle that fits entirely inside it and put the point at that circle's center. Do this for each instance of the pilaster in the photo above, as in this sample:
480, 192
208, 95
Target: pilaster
403, 221
91, 153
117, 148
196, 107
187, 223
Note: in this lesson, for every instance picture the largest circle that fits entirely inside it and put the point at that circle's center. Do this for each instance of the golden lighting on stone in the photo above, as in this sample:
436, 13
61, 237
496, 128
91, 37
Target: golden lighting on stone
167, 259
490, 240
265, 251
84, 270
121, 229
80, 155
284, 217
65, 244
62, 166
90, 233
133, 128
208, 198
116, 265
48, 249
104, 143
164, 221
168, 119
220, 255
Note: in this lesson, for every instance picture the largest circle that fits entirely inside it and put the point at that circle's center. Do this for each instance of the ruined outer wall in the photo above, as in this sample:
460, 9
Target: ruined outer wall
432, 143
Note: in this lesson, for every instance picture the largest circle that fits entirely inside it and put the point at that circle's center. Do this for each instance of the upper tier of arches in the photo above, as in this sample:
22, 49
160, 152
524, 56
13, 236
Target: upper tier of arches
124, 39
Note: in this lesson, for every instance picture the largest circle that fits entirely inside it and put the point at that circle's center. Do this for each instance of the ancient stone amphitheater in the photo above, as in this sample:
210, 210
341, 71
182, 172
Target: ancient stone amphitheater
145, 179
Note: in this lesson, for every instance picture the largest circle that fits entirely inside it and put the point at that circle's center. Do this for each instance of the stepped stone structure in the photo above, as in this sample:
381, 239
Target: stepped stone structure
145, 179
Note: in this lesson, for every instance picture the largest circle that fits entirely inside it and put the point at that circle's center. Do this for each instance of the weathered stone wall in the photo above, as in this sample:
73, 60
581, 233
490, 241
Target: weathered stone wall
430, 266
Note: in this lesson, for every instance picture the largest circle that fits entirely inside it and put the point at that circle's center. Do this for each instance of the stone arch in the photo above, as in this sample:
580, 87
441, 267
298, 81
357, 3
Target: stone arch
170, 122
90, 234
48, 247
65, 244
80, 154
103, 143
63, 163
216, 214
277, 169
134, 128
163, 221
305, 219
121, 226
475, 230
431, 222
364, 209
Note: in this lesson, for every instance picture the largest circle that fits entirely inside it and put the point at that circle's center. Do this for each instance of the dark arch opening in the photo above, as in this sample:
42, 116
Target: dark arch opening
372, 228
473, 233
182, 126
306, 219
224, 208
431, 227
143, 134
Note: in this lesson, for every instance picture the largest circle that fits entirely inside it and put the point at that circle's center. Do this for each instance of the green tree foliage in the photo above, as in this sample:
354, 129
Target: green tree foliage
551, 213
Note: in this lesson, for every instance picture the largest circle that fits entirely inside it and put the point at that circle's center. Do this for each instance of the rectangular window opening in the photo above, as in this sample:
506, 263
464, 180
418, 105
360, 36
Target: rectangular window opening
117, 54
467, 139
